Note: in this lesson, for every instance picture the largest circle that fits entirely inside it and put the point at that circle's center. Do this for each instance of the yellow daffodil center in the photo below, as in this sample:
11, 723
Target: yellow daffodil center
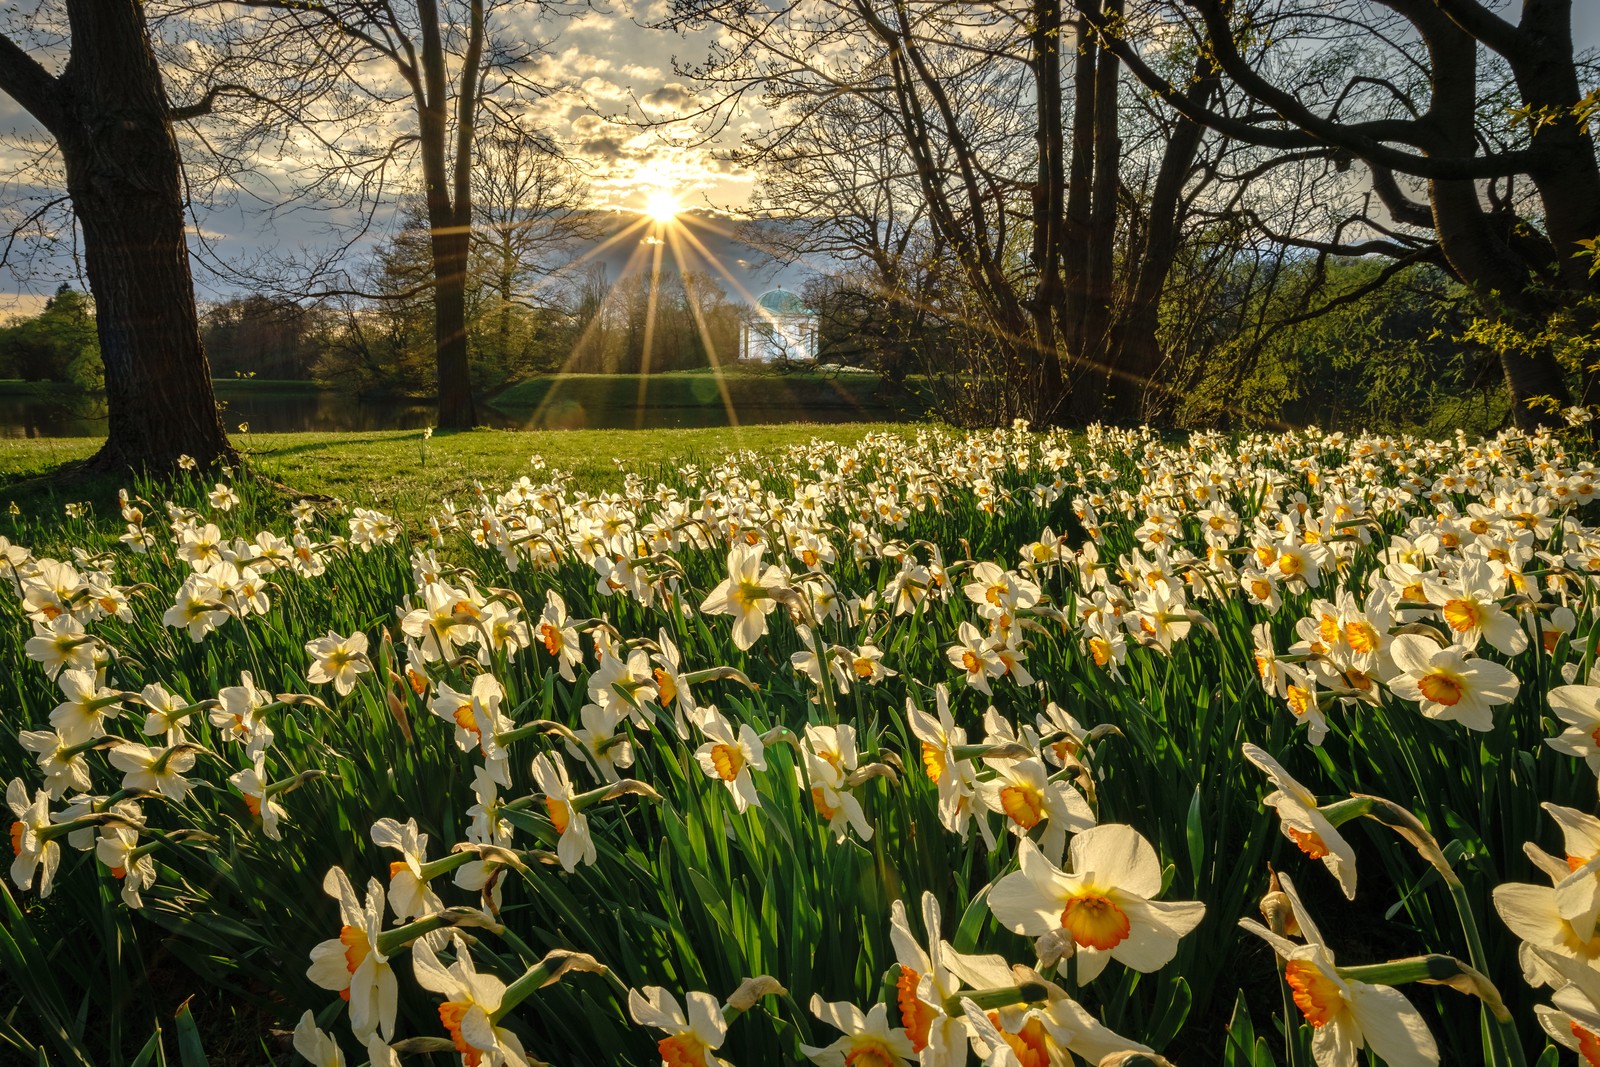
665, 686
1261, 589
1100, 651
1299, 700
1361, 636
17, 830
356, 948
466, 720
1315, 993
728, 760
1290, 564
1095, 921
552, 638
932, 761
971, 662
1030, 1043
560, 813
1023, 804
682, 1050
395, 868
1328, 629
451, 1014
1310, 841
1441, 688
862, 666
870, 1052
1588, 1045
915, 1016
1462, 615
819, 798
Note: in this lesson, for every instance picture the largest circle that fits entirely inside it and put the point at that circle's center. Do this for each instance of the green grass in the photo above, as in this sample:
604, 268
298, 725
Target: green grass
749, 391
386, 470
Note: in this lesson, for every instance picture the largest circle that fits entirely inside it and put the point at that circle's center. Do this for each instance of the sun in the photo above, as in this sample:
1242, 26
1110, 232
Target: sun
662, 206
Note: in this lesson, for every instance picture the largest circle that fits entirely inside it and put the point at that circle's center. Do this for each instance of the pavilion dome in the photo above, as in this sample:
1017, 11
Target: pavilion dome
780, 302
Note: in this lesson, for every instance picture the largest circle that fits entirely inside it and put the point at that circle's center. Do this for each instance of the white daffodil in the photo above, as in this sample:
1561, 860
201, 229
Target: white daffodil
559, 637
1345, 1015
1448, 685
351, 965
470, 1001
868, 1039
955, 778
746, 594
575, 845
928, 978
972, 656
154, 770
61, 643
65, 771
1579, 707
692, 1037
31, 853
1468, 606
409, 894
599, 746
252, 784
1104, 903
118, 851
729, 757
1023, 792
1302, 821
338, 660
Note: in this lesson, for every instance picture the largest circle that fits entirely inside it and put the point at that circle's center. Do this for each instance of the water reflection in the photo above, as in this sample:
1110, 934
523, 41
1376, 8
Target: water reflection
47, 415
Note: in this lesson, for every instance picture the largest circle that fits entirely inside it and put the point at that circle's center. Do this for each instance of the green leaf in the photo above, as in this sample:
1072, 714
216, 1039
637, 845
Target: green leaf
191, 1050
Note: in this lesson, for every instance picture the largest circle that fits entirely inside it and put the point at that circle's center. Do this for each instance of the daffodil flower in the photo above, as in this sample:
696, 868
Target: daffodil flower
1103, 901
746, 594
1448, 685
1302, 821
927, 980
351, 963
692, 1037
409, 894
338, 660
470, 1003
1579, 707
31, 851
868, 1039
1026, 796
1345, 1015
575, 845
729, 757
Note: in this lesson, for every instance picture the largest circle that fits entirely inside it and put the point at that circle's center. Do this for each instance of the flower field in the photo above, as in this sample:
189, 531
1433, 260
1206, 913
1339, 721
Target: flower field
1007, 748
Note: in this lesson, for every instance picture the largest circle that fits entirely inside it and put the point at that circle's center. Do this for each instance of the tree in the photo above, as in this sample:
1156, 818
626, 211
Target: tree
349, 65
108, 114
1019, 166
1511, 193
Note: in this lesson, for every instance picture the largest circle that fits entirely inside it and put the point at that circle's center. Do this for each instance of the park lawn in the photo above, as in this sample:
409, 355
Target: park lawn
387, 469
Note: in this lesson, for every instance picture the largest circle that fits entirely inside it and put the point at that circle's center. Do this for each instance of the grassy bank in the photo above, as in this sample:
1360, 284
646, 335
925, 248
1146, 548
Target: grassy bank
394, 471
748, 393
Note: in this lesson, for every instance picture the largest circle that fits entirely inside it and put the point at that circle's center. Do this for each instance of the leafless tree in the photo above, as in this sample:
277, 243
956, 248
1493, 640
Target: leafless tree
376, 86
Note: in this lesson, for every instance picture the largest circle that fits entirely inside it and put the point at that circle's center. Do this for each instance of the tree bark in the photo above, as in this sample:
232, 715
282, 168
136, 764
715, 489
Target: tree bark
449, 221
109, 114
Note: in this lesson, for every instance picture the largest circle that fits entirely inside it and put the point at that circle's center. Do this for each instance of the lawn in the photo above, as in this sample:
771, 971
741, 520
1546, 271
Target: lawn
397, 471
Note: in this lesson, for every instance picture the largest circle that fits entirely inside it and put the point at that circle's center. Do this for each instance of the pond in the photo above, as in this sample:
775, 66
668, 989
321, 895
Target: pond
36, 412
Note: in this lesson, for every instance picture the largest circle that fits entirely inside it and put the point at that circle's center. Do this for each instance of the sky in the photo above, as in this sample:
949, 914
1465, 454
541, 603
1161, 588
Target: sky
614, 71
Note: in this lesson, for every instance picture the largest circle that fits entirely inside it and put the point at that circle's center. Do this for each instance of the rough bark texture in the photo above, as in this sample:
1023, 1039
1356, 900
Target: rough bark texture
108, 112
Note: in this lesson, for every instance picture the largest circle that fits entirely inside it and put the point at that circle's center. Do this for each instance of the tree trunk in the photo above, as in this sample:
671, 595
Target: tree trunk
123, 175
1096, 351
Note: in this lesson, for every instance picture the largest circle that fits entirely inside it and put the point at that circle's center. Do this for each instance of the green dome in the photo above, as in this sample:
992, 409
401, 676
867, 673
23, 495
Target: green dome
782, 302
